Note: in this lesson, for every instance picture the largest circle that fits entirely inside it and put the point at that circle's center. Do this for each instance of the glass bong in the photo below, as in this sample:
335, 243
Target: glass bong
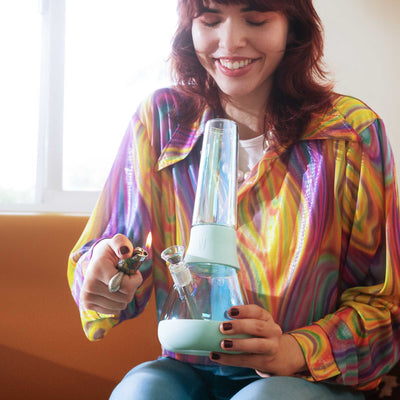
206, 280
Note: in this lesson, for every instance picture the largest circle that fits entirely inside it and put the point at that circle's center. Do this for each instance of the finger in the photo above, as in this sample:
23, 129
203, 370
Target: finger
249, 311
130, 283
99, 288
121, 246
96, 288
103, 304
267, 347
100, 303
102, 265
106, 255
253, 327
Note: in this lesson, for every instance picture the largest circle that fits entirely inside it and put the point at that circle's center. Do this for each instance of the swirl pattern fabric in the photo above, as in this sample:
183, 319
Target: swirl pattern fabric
318, 231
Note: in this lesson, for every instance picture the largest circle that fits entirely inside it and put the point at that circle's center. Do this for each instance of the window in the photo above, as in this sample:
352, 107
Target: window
80, 69
20, 43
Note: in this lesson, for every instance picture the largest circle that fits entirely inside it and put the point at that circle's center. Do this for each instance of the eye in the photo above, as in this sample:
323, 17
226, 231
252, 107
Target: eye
209, 20
256, 23
257, 18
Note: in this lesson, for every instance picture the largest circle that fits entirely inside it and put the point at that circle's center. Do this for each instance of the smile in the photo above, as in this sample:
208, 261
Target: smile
234, 65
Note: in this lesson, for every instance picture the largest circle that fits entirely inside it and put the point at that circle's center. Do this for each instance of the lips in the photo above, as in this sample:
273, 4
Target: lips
234, 66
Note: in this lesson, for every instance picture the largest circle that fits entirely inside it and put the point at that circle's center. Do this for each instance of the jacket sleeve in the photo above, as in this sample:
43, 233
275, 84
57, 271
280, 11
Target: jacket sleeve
123, 207
358, 343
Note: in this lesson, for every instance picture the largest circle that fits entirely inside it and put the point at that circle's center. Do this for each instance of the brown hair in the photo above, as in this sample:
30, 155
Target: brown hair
300, 86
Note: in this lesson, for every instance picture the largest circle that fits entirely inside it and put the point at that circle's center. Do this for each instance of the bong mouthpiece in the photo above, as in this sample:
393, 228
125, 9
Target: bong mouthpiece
182, 278
177, 267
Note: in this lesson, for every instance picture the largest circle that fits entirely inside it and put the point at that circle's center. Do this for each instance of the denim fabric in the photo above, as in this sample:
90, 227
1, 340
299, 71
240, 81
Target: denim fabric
169, 379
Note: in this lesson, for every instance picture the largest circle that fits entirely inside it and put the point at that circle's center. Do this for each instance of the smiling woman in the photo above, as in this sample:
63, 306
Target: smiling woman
317, 236
240, 43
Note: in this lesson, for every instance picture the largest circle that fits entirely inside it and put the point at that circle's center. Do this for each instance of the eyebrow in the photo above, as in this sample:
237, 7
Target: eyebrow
210, 10
217, 11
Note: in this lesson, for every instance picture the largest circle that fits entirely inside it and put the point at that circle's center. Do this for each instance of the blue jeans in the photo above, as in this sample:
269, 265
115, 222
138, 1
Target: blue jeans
168, 379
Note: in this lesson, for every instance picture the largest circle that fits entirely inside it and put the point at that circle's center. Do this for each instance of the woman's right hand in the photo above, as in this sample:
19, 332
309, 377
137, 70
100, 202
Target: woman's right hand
94, 293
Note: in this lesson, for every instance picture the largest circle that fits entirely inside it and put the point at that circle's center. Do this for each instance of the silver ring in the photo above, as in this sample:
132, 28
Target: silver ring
115, 282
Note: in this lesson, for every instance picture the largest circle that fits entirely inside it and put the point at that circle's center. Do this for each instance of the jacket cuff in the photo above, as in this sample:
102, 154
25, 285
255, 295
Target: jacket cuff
317, 352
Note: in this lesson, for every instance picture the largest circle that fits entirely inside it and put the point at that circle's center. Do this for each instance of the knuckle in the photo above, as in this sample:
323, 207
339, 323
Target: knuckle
100, 246
278, 330
264, 348
119, 306
119, 239
118, 236
259, 328
84, 296
124, 299
86, 302
273, 348
89, 289
260, 312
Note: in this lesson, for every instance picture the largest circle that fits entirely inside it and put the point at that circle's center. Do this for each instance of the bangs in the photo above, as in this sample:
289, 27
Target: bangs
197, 7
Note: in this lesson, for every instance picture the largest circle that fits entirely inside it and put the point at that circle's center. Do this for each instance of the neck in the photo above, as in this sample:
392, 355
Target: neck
249, 116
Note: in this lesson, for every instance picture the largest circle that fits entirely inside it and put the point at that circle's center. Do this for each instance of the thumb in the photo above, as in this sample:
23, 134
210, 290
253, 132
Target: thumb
121, 246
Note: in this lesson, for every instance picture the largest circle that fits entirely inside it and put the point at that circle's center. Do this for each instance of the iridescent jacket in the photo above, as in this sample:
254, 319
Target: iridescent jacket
318, 232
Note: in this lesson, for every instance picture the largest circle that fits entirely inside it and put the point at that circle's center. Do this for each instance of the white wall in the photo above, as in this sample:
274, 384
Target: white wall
362, 51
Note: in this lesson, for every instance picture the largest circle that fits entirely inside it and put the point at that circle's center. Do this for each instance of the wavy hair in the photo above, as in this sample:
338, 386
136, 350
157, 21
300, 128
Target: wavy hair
300, 87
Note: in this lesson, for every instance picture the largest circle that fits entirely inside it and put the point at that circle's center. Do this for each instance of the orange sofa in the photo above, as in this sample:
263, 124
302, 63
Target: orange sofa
44, 353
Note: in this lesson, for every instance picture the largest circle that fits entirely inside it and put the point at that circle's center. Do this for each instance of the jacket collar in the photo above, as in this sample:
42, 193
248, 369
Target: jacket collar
182, 141
329, 126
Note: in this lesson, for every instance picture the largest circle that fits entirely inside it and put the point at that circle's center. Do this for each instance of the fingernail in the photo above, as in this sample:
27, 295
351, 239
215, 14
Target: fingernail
124, 250
226, 326
234, 312
215, 356
228, 344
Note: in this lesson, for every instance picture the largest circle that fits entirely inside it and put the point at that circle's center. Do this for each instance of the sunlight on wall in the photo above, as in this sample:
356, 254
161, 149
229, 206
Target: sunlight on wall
362, 51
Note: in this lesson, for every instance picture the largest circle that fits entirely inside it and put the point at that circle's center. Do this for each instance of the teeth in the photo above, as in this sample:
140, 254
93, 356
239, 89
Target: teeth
236, 64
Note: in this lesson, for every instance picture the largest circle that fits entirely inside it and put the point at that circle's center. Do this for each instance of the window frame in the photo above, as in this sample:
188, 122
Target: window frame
50, 192
51, 117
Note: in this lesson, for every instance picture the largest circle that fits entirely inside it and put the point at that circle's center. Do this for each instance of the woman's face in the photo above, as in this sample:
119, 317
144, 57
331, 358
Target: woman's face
240, 48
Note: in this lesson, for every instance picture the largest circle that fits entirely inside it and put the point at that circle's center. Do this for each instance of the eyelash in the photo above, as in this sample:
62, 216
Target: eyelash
251, 23
261, 23
210, 24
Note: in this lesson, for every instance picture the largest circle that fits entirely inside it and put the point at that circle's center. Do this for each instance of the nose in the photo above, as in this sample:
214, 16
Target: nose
232, 36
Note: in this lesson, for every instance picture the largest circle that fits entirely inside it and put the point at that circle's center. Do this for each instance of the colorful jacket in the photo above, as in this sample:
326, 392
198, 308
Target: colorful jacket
318, 232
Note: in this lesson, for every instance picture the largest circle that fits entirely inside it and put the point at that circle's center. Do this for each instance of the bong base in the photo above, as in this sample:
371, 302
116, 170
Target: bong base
193, 336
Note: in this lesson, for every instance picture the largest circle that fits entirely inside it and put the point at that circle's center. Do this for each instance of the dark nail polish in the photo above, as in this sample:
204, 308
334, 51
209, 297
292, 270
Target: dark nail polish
228, 344
215, 356
234, 312
124, 250
226, 326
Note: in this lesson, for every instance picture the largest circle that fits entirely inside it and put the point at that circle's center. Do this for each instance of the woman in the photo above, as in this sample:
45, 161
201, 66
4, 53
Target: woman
318, 218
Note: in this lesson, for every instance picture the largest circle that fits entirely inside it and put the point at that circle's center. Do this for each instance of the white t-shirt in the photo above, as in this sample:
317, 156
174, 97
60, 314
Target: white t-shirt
250, 153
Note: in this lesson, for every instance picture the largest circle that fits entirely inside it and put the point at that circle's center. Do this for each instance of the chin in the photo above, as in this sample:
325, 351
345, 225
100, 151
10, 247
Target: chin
235, 93
232, 89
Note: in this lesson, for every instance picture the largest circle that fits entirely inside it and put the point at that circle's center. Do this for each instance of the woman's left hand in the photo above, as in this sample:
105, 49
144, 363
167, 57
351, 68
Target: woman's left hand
268, 351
